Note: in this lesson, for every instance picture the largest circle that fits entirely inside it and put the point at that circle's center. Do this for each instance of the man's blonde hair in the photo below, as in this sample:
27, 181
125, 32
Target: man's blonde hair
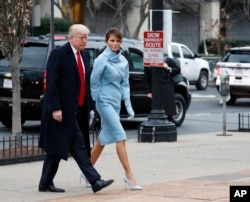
78, 29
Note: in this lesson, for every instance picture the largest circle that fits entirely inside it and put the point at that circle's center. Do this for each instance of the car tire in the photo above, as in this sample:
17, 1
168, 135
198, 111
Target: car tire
231, 101
180, 105
7, 122
202, 82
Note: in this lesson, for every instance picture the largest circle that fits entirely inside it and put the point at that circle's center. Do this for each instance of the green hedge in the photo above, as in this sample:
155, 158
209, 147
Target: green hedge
61, 26
212, 45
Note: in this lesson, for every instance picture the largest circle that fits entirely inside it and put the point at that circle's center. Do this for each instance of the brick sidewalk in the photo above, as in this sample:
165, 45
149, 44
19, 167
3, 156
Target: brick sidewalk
207, 188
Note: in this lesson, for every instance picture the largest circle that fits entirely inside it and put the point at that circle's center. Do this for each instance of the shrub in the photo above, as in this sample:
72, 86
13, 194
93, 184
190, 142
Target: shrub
61, 26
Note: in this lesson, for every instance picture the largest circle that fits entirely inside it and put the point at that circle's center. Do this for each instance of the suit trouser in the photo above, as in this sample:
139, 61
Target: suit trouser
78, 152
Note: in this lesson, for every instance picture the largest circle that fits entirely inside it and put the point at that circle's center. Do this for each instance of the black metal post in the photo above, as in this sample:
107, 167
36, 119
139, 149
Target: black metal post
157, 128
52, 27
157, 88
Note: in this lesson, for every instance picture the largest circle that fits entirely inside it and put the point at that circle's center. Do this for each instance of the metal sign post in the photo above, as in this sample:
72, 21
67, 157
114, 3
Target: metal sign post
52, 27
157, 128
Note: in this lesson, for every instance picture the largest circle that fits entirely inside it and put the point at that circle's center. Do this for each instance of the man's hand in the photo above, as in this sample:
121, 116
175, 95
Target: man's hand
165, 66
57, 115
149, 95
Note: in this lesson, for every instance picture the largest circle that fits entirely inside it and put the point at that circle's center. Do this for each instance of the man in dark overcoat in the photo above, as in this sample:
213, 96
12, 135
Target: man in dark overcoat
65, 112
171, 67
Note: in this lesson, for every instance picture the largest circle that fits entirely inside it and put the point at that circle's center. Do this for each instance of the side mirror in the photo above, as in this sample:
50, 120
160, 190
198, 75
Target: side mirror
196, 55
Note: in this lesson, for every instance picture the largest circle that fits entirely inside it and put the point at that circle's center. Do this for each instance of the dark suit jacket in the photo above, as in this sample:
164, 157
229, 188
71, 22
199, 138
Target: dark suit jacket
62, 91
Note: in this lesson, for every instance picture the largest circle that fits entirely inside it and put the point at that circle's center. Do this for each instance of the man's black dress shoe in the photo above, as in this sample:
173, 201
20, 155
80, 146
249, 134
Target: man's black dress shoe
100, 184
50, 188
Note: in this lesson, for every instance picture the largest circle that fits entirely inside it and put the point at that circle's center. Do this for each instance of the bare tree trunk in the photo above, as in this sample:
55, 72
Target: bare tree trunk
64, 7
15, 18
16, 103
144, 7
246, 9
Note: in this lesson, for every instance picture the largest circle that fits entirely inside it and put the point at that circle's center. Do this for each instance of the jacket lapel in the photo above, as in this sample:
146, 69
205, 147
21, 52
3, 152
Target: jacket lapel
72, 58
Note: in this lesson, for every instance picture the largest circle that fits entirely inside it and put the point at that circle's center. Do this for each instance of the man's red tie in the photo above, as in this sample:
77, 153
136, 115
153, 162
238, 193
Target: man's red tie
81, 74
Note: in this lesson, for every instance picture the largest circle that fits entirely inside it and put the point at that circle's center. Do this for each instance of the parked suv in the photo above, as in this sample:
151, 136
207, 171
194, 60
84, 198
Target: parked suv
32, 65
236, 64
32, 68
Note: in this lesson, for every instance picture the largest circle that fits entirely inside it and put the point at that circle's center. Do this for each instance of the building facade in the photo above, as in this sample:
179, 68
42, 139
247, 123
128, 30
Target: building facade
187, 28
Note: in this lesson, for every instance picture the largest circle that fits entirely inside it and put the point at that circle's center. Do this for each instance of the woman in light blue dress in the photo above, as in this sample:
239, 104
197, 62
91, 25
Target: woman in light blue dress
109, 86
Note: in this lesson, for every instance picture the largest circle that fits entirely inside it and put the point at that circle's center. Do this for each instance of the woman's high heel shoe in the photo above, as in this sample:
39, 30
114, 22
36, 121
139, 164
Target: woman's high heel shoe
130, 186
82, 177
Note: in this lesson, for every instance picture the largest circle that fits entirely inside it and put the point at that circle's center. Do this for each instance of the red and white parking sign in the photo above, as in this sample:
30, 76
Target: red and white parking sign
153, 49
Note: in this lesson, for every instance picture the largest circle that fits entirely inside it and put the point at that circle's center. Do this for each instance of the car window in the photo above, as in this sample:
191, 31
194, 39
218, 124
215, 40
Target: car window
91, 56
186, 53
137, 60
1, 54
32, 57
242, 57
175, 51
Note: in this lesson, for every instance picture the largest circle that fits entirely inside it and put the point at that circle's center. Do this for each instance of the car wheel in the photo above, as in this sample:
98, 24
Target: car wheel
202, 82
231, 101
7, 121
180, 105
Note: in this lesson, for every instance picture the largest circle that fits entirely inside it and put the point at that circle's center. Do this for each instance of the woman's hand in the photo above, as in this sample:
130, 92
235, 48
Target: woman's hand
129, 108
